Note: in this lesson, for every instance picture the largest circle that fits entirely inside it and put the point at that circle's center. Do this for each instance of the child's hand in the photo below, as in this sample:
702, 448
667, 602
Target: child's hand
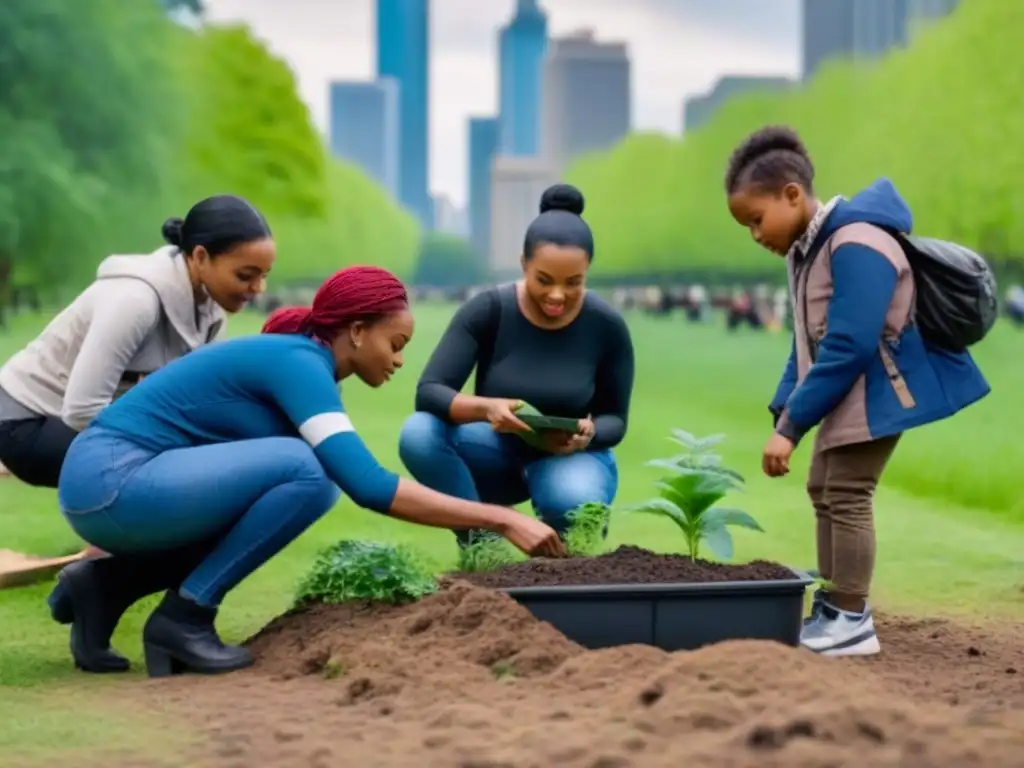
775, 461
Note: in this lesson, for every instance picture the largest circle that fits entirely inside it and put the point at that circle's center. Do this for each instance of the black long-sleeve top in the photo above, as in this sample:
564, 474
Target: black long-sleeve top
585, 368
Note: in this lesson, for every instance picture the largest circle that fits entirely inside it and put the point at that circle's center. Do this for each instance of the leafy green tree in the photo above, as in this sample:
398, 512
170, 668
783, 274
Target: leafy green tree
363, 225
446, 261
83, 110
249, 132
113, 118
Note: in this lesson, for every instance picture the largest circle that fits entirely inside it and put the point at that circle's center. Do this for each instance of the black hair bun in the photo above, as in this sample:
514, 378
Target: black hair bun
562, 197
171, 230
776, 137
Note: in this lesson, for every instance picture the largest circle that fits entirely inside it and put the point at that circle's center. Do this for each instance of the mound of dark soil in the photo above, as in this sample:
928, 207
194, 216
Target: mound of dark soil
625, 565
468, 678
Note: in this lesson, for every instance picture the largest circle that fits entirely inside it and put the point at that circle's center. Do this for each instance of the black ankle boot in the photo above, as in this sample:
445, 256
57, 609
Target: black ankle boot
180, 637
121, 580
61, 609
94, 591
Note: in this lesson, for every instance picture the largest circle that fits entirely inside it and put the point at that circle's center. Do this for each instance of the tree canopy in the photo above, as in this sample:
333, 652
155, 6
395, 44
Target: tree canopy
448, 261
114, 118
939, 119
81, 110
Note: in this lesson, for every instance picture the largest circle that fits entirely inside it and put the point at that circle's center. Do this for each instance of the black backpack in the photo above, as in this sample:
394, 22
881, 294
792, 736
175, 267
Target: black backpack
956, 303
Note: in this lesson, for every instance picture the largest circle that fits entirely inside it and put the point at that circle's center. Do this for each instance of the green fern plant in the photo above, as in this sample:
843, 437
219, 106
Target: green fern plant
485, 552
587, 524
365, 570
695, 482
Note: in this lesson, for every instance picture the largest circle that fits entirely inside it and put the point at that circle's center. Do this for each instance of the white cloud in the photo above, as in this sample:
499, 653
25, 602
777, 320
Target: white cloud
678, 48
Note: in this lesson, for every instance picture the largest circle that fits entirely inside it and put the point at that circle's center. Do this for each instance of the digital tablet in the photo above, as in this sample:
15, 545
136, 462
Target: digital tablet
539, 423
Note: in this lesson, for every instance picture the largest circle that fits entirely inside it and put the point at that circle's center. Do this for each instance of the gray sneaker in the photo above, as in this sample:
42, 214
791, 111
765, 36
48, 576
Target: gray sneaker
840, 633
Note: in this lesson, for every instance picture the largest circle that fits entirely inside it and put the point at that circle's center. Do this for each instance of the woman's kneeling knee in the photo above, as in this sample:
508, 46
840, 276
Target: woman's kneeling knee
306, 470
421, 436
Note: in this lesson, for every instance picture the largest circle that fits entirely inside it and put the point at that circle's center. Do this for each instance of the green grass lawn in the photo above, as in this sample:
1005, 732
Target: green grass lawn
950, 518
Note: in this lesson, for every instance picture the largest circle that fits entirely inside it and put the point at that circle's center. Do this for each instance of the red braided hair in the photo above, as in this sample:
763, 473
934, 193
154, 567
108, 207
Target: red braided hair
353, 293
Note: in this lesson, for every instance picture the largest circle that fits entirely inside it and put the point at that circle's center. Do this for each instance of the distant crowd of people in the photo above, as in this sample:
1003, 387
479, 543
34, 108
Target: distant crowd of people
760, 307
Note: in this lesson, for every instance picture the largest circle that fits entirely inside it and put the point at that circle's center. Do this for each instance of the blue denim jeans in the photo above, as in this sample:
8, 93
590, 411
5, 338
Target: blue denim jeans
253, 497
472, 461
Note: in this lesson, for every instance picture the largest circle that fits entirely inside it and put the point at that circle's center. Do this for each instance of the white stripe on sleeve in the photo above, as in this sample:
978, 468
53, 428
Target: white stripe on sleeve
316, 429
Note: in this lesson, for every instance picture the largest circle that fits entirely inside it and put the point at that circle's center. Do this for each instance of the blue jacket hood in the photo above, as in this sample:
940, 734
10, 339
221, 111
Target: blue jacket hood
879, 204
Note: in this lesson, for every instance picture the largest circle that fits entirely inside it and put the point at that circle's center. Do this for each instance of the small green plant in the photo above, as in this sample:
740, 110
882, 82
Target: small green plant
503, 670
688, 494
365, 570
485, 552
825, 585
587, 524
335, 667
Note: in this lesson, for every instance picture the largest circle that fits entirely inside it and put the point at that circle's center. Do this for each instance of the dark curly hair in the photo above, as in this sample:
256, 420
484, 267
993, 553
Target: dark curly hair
769, 159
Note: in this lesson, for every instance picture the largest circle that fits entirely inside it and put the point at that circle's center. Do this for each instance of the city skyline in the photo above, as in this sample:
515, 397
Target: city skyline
675, 52
402, 35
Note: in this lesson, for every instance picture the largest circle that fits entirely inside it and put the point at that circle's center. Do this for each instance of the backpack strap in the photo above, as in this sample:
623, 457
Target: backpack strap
889, 245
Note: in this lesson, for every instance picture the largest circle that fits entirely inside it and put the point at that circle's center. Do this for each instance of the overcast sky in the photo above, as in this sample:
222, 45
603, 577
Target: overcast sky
678, 47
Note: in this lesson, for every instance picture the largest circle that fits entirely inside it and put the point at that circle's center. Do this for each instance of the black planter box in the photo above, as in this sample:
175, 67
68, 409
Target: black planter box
674, 617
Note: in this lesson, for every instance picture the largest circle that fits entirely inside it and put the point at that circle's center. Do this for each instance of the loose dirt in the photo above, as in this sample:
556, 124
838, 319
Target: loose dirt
467, 678
625, 565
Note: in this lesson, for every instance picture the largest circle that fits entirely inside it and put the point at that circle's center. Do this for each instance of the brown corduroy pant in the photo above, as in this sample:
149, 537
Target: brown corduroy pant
841, 485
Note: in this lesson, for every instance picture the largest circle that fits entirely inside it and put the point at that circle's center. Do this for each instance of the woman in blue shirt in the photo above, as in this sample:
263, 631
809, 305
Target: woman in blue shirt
212, 465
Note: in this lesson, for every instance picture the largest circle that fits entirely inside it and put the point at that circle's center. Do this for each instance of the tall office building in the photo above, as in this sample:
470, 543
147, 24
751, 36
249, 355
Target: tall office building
522, 44
862, 29
697, 110
403, 53
827, 33
586, 98
483, 145
364, 128
878, 26
517, 184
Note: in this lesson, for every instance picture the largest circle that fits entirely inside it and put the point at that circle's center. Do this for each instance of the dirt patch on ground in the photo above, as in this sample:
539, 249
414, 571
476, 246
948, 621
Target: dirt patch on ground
469, 679
626, 565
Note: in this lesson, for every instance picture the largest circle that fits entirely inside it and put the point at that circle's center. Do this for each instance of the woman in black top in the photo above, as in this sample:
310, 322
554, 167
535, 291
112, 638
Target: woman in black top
545, 341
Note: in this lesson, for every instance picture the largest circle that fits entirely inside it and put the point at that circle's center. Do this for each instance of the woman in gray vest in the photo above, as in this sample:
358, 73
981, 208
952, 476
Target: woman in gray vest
140, 313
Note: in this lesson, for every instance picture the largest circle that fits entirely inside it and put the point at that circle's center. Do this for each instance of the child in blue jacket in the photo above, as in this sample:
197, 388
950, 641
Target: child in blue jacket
858, 370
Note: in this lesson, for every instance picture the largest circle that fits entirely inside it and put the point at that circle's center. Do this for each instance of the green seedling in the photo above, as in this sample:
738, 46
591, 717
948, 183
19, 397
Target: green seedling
696, 481
485, 552
503, 670
335, 667
825, 585
365, 570
587, 524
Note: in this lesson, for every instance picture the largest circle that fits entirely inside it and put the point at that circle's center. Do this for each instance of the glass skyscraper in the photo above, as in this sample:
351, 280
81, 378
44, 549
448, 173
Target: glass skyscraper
522, 45
364, 123
403, 53
483, 145
862, 29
